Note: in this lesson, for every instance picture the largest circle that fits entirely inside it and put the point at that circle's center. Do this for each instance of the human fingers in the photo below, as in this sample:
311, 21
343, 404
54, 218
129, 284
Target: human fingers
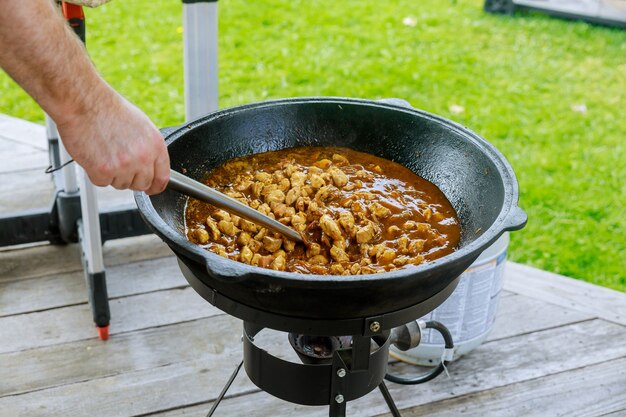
101, 175
142, 180
161, 173
122, 181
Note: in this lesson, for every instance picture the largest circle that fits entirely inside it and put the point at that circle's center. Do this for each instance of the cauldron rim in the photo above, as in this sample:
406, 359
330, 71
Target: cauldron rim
510, 217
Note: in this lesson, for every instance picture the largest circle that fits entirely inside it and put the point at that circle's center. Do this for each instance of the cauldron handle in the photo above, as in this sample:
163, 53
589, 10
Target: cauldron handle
225, 270
516, 219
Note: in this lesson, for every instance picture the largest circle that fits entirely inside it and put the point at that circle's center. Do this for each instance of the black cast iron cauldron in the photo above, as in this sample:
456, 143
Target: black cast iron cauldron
474, 176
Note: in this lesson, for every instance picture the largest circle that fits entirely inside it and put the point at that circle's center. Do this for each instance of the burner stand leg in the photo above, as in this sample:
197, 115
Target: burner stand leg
220, 397
389, 400
337, 402
337, 410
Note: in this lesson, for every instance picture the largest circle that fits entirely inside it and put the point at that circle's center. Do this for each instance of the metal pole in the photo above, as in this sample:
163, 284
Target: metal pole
89, 232
91, 240
389, 400
200, 57
70, 182
91, 244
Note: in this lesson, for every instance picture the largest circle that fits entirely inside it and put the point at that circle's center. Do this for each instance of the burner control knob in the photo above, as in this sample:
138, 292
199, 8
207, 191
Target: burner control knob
407, 336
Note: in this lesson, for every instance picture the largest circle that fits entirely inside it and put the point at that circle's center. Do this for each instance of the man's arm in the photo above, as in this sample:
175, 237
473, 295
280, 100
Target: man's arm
109, 137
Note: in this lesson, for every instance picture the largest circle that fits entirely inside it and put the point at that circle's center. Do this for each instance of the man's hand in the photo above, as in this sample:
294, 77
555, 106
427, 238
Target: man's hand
118, 145
110, 138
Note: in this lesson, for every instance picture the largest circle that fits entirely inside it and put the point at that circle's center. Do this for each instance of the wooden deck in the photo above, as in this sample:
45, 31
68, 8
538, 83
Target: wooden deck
558, 347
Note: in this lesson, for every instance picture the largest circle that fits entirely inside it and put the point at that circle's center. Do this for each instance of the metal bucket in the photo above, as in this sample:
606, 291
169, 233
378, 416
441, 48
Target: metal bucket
469, 313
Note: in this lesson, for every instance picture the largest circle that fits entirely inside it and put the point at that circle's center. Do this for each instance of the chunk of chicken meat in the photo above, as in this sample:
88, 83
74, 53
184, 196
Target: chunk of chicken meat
297, 179
298, 221
317, 181
339, 177
318, 259
279, 263
213, 229
340, 159
338, 254
272, 244
292, 196
416, 246
346, 220
221, 215
330, 227
246, 255
323, 163
201, 236
263, 177
275, 196
379, 210
366, 233
227, 228
313, 250
243, 239
248, 226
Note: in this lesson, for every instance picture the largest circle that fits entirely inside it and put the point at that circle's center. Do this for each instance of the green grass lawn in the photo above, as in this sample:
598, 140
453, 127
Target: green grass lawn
520, 82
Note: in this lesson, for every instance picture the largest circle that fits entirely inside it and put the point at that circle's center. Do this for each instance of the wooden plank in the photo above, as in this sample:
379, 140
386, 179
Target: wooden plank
23, 131
69, 324
52, 260
170, 388
591, 391
497, 363
33, 189
518, 314
619, 413
129, 352
36, 367
30, 189
23, 158
15, 156
128, 394
59, 290
567, 292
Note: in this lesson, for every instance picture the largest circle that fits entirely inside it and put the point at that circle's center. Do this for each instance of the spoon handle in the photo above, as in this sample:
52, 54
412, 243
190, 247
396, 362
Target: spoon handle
185, 185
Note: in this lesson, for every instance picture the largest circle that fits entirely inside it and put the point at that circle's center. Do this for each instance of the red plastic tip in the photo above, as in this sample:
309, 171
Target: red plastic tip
103, 332
72, 11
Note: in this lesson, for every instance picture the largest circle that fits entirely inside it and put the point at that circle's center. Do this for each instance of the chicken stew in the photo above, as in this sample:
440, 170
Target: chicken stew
358, 213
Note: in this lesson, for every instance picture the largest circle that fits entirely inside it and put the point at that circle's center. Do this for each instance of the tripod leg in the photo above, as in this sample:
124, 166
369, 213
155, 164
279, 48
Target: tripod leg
91, 245
389, 400
337, 409
220, 397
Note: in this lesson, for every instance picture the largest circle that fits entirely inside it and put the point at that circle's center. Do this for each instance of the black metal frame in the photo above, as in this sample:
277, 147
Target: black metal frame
59, 223
317, 383
328, 327
351, 373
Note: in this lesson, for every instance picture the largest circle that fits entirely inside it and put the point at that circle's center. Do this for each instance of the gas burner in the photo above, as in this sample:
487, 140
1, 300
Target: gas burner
334, 369
318, 349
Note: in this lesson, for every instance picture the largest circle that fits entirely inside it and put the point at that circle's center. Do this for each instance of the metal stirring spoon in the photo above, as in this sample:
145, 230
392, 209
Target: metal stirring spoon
185, 185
